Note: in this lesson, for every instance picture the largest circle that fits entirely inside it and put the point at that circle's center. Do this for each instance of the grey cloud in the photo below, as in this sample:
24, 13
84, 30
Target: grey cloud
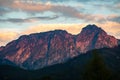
4, 10
66, 11
13, 20
101, 19
4, 6
114, 19
114, 1
18, 20
6, 2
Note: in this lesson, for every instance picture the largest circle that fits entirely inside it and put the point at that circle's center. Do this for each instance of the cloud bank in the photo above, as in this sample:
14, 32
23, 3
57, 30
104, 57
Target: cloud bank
60, 10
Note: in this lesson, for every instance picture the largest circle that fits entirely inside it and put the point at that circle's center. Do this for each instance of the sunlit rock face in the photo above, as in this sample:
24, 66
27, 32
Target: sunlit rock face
1, 48
42, 49
38, 50
92, 37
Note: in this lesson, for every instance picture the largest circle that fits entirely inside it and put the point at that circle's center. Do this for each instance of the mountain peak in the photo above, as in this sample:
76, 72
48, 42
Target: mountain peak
92, 27
93, 37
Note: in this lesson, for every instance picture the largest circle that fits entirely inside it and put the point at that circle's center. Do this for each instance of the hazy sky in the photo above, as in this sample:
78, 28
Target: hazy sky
18, 17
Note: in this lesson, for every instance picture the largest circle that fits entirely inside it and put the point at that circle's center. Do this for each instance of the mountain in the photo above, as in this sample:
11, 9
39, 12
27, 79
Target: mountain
39, 50
74, 69
93, 37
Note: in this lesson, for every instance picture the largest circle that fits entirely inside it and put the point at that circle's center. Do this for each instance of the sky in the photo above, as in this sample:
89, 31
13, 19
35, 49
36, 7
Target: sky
22, 17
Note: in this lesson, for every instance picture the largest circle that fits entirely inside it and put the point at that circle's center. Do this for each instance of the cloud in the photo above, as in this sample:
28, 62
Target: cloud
117, 5
30, 8
67, 11
114, 18
6, 36
60, 10
31, 19
16, 5
3, 11
16, 20
115, 1
112, 28
6, 2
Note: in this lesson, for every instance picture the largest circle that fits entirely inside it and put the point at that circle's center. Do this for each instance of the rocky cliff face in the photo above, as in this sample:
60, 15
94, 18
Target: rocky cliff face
93, 37
1, 48
43, 49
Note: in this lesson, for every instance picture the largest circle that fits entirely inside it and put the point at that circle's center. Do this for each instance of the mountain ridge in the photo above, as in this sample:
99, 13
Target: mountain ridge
47, 48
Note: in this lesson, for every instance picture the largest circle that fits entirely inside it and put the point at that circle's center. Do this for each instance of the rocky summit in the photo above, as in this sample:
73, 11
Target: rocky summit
93, 37
39, 50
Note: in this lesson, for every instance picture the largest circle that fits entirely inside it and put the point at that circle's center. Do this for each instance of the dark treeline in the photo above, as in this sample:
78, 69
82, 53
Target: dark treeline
101, 64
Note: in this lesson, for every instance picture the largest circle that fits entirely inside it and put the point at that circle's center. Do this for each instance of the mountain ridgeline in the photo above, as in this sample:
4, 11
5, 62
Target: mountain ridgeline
39, 50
